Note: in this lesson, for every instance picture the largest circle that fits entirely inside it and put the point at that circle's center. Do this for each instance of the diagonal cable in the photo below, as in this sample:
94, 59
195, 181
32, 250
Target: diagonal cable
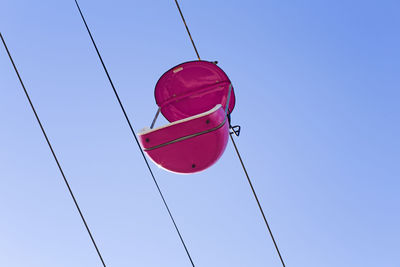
237, 151
258, 202
187, 28
53, 153
134, 135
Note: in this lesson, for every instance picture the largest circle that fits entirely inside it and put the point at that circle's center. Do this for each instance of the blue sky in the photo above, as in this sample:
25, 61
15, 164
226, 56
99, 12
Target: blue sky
318, 91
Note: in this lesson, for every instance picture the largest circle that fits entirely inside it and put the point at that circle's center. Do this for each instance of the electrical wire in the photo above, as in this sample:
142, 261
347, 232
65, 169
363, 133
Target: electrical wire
238, 154
134, 135
53, 153
258, 202
187, 29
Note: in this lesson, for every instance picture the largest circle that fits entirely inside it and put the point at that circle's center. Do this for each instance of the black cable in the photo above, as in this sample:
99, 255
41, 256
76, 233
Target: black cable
52, 152
134, 135
258, 202
237, 151
187, 29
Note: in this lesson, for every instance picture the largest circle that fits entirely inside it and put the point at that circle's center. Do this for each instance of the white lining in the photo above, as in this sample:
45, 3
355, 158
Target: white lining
147, 130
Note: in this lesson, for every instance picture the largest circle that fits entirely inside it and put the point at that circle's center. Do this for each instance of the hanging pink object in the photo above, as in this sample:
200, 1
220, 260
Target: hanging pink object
189, 145
193, 97
192, 88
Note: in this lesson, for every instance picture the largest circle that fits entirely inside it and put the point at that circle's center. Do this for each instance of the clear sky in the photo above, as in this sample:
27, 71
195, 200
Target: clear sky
318, 98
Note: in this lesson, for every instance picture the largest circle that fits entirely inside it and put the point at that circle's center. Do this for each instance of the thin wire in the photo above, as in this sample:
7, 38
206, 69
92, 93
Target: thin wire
258, 202
134, 135
187, 29
53, 153
237, 151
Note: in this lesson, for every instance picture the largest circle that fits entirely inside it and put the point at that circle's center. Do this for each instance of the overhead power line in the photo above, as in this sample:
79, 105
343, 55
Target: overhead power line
134, 135
54, 154
237, 152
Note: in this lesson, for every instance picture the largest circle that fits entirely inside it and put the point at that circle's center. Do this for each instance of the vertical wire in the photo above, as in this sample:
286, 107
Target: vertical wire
237, 151
187, 29
53, 153
258, 202
134, 135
